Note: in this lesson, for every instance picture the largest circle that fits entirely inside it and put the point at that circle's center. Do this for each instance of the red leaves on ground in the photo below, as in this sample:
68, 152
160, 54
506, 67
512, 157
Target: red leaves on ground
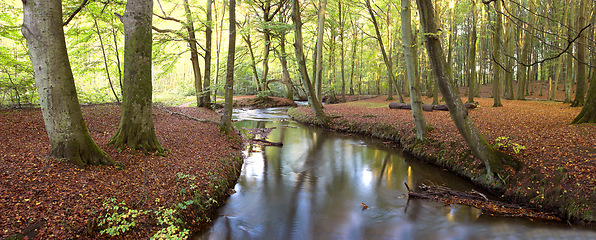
36, 188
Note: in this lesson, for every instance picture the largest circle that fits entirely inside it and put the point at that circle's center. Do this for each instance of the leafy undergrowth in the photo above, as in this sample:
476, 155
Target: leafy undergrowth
171, 194
559, 173
261, 102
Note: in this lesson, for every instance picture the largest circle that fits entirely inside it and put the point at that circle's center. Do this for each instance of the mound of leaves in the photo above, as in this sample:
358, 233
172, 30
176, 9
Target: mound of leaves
262, 102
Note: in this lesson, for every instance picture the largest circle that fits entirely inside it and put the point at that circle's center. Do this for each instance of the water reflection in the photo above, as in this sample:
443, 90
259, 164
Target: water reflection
314, 187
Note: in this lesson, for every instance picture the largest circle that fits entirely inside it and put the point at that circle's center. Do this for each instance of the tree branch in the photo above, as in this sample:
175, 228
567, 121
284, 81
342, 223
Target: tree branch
83, 4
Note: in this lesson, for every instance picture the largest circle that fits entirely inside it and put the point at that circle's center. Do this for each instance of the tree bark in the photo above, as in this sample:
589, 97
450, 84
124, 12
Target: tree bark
318, 66
492, 158
580, 69
497, 55
136, 130
415, 98
208, 37
588, 113
472, 57
314, 102
226, 118
67, 132
342, 53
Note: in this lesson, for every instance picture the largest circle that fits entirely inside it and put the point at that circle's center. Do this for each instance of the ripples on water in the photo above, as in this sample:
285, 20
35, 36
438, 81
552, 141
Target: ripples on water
314, 187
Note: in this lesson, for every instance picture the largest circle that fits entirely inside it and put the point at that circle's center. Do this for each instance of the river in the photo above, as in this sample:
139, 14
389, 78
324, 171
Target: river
326, 185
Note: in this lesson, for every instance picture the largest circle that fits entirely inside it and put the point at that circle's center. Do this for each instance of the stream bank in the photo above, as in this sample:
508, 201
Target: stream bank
551, 179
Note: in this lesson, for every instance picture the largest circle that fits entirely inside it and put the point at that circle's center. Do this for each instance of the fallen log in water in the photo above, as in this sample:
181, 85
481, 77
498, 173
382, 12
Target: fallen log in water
478, 200
267, 143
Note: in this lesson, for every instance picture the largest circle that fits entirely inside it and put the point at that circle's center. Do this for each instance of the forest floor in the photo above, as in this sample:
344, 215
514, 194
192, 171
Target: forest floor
559, 172
57, 200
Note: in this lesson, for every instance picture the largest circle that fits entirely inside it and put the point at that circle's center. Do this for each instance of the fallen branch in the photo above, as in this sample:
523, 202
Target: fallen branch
267, 143
478, 200
189, 117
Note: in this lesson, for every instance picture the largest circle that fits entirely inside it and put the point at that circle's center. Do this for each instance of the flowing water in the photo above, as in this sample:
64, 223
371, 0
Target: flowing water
325, 185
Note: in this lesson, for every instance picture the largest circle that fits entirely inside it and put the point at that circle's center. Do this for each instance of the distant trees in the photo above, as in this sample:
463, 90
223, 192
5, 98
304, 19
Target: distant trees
67, 132
226, 118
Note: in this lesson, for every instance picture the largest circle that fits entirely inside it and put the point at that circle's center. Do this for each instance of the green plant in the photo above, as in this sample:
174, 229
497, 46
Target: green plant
168, 217
119, 218
506, 143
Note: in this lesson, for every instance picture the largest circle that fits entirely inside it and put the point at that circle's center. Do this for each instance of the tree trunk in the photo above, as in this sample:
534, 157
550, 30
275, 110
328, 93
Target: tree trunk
492, 158
67, 132
194, 55
314, 102
497, 56
509, 49
387, 61
284, 68
415, 98
588, 113
208, 36
342, 53
136, 123
472, 57
580, 69
318, 73
226, 118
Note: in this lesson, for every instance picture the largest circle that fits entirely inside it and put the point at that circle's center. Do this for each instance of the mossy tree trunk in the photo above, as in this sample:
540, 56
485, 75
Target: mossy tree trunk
68, 135
194, 54
588, 113
580, 46
415, 96
136, 129
492, 158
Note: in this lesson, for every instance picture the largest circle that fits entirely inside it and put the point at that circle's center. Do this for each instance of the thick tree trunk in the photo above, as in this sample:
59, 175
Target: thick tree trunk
136, 129
318, 66
208, 37
68, 135
588, 113
386, 59
492, 158
580, 69
415, 98
226, 118
314, 102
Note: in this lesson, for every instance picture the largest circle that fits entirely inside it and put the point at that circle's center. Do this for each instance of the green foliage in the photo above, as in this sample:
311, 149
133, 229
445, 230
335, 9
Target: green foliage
506, 143
118, 218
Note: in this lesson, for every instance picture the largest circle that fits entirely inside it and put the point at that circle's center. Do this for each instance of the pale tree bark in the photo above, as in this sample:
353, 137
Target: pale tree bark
218, 38
386, 59
194, 55
509, 48
415, 98
525, 52
208, 38
496, 55
136, 130
318, 65
283, 60
492, 158
580, 46
67, 132
314, 102
226, 118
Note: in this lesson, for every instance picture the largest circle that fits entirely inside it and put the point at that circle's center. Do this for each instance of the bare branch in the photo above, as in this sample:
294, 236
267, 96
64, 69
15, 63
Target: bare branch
83, 4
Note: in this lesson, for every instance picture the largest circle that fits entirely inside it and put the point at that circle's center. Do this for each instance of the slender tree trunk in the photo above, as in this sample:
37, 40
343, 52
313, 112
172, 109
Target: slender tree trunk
492, 158
497, 55
284, 68
136, 129
67, 132
342, 53
472, 56
226, 118
354, 46
509, 49
194, 55
314, 102
253, 62
208, 38
218, 39
105, 58
415, 98
385, 58
117, 52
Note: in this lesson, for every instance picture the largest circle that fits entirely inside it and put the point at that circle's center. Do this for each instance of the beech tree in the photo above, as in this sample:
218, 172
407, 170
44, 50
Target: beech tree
492, 158
136, 129
67, 132
415, 98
